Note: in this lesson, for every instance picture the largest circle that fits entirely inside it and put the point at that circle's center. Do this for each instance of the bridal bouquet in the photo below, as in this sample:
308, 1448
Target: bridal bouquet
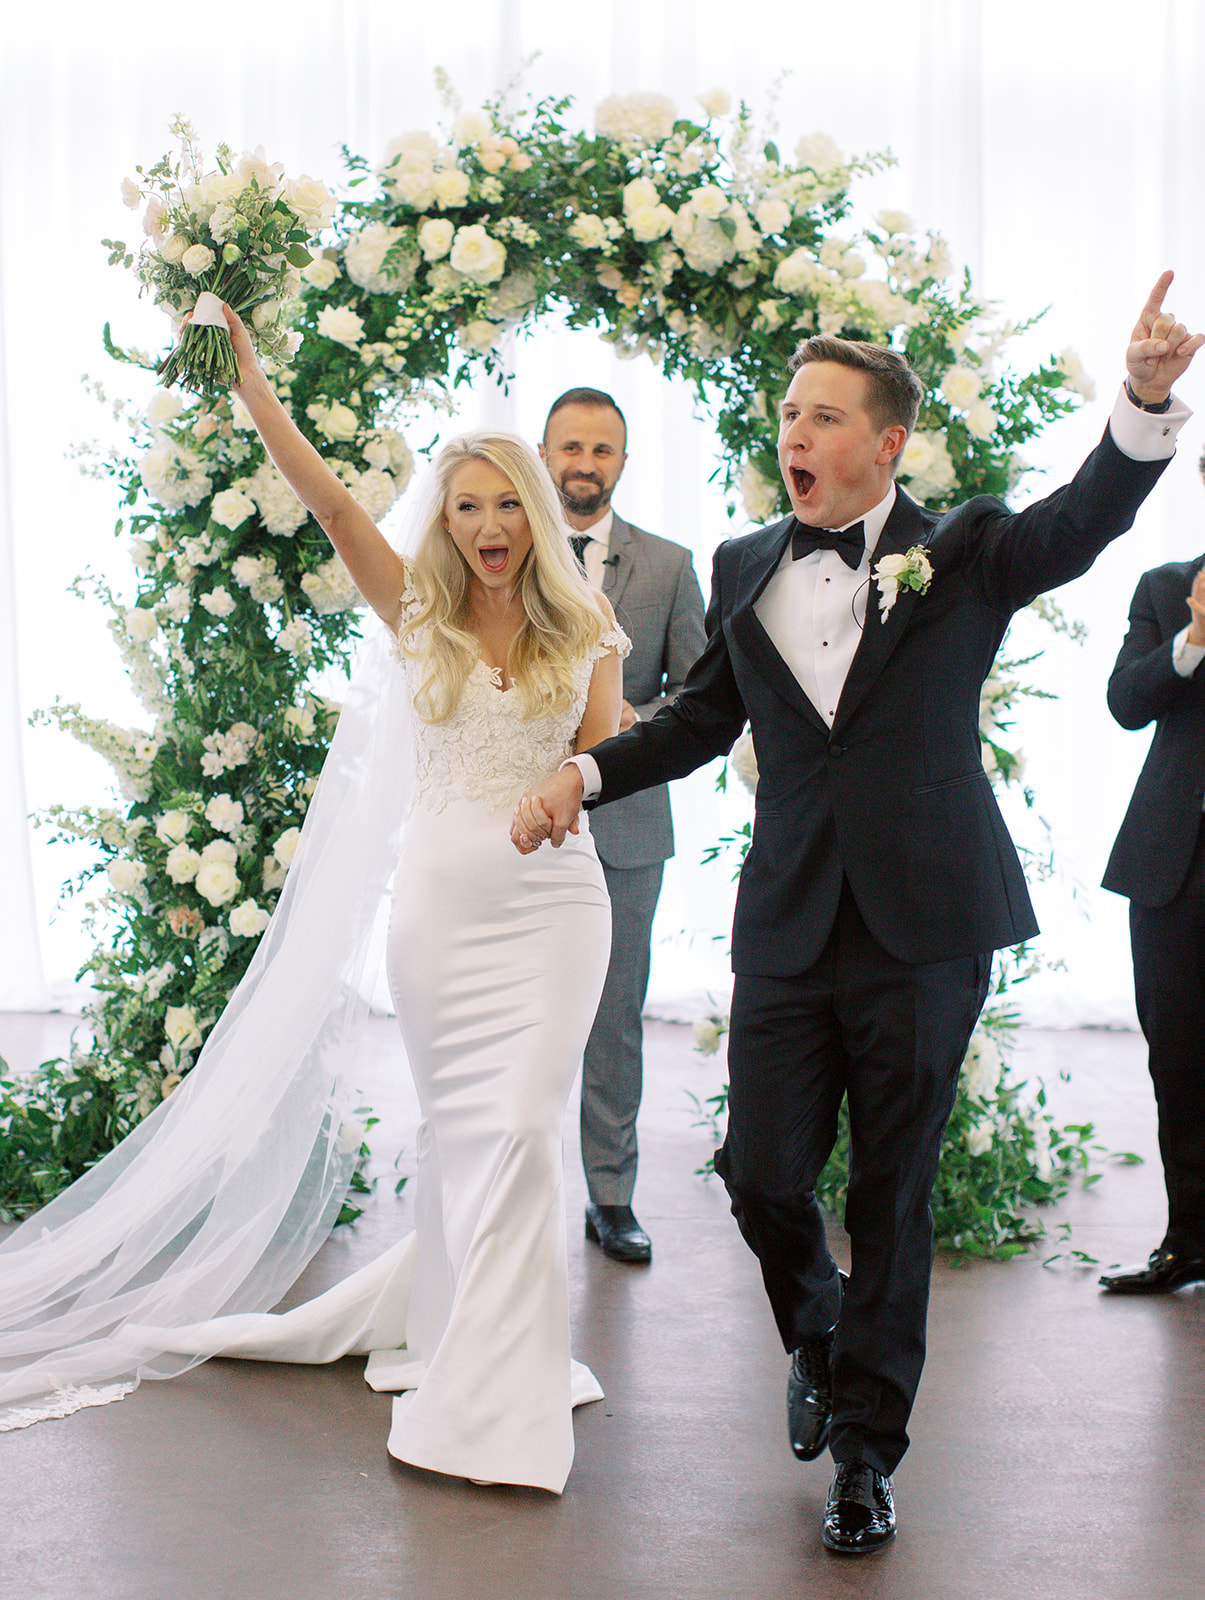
237, 234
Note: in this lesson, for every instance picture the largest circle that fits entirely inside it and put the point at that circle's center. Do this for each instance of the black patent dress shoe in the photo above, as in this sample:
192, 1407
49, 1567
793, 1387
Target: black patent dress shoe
617, 1234
810, 1396
1166, 1270
860, 1513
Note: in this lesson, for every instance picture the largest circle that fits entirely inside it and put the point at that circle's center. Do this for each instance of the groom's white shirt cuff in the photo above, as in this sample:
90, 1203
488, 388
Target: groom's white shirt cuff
1146, 435
591, 776
1141, 435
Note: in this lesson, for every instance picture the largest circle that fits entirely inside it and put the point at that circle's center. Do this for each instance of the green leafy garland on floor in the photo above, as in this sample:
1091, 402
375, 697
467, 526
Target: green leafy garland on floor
691, 240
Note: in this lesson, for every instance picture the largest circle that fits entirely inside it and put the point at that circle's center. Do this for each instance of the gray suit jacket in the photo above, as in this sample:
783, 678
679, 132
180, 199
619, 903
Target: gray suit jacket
651, 583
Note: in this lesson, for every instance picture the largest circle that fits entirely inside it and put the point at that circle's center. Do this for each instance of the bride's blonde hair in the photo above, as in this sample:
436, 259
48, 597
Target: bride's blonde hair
562, 622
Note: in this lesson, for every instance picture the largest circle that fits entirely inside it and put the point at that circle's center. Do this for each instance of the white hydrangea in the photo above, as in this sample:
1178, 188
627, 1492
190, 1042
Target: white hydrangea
174, 475
635, 119
365, 263
330, 588
341, 324
281, 512
796, 273
702, 241
296, 638
218, 602
224, 813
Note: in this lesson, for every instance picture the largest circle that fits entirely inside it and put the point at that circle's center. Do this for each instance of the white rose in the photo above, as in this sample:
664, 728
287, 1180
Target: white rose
182, 864
217, 882
710, 202
773, 216
300, 721
961, 386
285, 847
219, 850
321, 272
589, 231
180, 1025
471, 127
224, 813
451, 187
218, 602
715, 102
231, 508
894, 221
654, 223
338, 422
435, 238
820, 153
641, 194
125, 876
173, 249
248, 920
981, 420
198, 258
172, 826
341, 324
163, 405
311, 200
141, 624
477, 255
759, 495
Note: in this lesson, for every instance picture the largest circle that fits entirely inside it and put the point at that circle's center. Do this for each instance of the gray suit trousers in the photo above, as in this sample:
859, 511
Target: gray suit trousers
612, 1066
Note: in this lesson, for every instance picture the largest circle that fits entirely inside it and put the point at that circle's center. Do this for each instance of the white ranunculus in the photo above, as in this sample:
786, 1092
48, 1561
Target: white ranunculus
163, 405
248, 920
478, 255
961, 386
321, 272
341, 324
141, 624
285, 847
217, 882
172, 826
198, 258
180, 1025
311, 200
125, 876
715, 102
230, 508
182, 864
435, 238
588, 230
224, 813
174, 248
218, 602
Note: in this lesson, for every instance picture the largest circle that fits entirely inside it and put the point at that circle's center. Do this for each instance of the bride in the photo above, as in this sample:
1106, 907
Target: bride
499, 662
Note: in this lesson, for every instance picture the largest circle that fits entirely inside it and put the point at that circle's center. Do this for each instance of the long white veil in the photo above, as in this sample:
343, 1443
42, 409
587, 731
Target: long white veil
217, 1201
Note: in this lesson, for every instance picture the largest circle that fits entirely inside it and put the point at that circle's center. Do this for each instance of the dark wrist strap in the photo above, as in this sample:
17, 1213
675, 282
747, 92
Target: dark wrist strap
1155, 407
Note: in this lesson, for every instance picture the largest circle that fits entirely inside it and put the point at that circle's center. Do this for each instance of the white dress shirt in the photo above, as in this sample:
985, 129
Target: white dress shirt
813, 609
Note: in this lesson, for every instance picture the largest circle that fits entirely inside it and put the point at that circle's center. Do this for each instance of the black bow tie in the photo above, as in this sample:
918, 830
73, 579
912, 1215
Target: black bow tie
849, 543
578, 543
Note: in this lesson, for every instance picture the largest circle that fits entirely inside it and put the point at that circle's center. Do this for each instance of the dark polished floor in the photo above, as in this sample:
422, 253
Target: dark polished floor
1059, 1435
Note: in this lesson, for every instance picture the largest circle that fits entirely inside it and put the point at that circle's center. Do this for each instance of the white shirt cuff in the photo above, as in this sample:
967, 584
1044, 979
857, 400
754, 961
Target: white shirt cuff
591, 776
1146, 435
1186, 658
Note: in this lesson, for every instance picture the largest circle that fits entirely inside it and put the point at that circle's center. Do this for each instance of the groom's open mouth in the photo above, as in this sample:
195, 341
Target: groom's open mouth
803, 481
494, 557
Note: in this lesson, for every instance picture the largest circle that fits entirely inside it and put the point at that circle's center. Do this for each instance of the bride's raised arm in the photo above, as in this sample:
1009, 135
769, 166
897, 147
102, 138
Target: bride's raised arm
375, 568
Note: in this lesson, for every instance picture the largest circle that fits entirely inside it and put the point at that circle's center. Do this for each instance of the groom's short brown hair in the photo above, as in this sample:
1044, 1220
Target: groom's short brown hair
893, 391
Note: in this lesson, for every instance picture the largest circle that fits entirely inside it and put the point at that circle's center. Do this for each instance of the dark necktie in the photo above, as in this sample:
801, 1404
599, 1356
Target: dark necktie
578, 543
849, 543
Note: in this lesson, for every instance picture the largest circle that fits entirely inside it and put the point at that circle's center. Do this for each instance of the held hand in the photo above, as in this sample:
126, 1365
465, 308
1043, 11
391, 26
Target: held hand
244, 350
1160, 350
550, 811
1196, 604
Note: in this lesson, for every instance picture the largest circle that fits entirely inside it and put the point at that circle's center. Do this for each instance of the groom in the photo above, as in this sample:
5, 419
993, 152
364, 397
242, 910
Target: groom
880, 876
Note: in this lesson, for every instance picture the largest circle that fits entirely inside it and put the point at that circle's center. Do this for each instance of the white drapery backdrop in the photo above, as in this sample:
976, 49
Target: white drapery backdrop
1056, 147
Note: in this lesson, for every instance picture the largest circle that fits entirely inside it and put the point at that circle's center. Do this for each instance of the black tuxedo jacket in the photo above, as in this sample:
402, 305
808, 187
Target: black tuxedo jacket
1151, 855
894, 798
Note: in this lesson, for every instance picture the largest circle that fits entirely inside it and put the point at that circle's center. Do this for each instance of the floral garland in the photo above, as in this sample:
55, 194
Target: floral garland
692, 241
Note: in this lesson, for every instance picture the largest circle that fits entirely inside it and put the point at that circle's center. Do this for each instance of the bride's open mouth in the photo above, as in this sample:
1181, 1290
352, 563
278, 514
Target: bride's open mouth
494, 557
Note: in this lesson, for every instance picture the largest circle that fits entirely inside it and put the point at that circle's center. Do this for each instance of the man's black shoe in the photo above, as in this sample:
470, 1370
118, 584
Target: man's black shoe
810, 1395
617, 1234
860, 1513
1166, 1270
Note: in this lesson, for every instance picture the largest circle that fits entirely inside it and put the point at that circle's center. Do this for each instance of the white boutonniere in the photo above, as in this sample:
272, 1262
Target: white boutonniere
912, 570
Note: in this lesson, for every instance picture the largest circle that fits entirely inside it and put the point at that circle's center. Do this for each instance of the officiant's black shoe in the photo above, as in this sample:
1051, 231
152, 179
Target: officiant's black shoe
810, 1395
1166, 1270
860, 1513
617, 1234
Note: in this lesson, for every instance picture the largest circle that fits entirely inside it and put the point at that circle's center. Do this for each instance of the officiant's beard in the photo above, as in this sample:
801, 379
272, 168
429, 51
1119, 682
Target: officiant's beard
579, 504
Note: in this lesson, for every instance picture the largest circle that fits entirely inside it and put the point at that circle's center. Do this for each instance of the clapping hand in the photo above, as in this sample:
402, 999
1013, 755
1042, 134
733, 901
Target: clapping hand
1160, 349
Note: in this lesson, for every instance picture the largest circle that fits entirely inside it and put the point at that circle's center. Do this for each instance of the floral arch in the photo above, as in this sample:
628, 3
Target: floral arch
693, 241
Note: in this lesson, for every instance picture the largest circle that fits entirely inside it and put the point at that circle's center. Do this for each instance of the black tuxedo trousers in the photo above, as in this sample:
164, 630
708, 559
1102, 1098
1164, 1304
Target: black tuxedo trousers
879, 878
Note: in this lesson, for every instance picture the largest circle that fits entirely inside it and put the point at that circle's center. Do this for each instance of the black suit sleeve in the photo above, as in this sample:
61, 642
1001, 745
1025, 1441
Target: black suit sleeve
703, 721
1144, 684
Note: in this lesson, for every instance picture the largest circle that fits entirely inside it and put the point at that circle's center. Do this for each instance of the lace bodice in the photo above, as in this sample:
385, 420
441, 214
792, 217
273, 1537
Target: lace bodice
488, 750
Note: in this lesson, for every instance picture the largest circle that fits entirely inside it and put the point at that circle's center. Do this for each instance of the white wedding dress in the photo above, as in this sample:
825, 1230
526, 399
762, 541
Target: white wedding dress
495, 962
